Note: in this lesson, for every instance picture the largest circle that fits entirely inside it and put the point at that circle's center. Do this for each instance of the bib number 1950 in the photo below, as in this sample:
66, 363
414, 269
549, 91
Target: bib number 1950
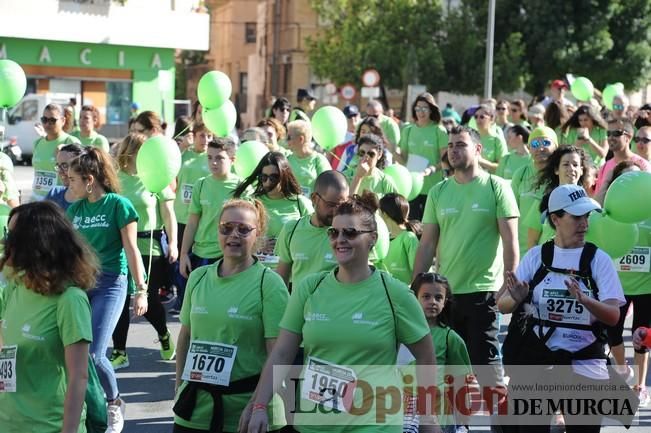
209, 362
329, 385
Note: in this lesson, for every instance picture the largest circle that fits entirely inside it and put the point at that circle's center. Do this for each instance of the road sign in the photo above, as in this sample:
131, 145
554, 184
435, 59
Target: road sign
330, 89
348, 91
371, 78
370, 92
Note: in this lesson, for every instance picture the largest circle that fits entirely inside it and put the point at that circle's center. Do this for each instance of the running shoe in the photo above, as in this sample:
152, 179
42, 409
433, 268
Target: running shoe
119, 359
166, 295
167, 349
643, 395
627, 373
115, 412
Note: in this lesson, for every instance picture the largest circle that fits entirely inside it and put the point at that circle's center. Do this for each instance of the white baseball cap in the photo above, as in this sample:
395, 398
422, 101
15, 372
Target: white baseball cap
572, 199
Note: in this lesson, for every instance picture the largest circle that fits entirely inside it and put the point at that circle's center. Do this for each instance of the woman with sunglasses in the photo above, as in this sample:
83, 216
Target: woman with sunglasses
643, 142
422, 145
518, 113
567, 165
62, 195
542, 143
280, 110
279, 192
587, 129
502, 115
108, 221
350, 316
348, 161
232, 308
368, 174
45, 321
493, 145
44, 157
156, 213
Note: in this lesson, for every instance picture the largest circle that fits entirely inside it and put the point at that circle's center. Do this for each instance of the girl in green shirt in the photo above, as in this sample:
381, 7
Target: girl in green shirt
46, 322
493, 145
586, 129
279, 191
368, 174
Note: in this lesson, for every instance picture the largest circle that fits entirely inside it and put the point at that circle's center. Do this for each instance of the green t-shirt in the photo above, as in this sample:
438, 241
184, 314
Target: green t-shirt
307, 169
43, 161
242, 310
305, 247
450, 350
532, 221
356, 324
100, 223
208, 197
193, 168
522, 184
377, 182
470, 248
95, 140
633, 269
281, 211
399, 261
147, 206
597, 134
493, 147
510, 163
427, 142
41, 327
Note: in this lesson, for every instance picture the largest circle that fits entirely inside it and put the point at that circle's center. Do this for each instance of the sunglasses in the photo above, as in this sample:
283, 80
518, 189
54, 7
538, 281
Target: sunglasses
64, 166
363, 153
481, 116
421, 109
618, 107
431, 277
515, 110
243, 230
273, 178
52, 120
349, 233
501, 108
540, 142
616, 133
643, 140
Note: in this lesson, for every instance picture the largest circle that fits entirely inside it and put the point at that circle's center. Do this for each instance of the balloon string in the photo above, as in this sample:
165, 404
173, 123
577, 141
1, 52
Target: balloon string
151, 245
181, 133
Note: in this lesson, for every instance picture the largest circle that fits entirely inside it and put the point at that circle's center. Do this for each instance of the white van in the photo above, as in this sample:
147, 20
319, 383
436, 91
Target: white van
24, 116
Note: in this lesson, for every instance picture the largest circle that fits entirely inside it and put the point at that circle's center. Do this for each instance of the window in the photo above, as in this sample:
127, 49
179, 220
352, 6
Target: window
244, 91
119, 102
250, 32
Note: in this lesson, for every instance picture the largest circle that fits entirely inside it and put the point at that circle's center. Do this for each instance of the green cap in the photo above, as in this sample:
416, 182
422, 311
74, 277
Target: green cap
543, 131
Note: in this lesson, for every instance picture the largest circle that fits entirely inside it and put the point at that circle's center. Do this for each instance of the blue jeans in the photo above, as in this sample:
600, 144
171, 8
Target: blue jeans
106, 302
195, 262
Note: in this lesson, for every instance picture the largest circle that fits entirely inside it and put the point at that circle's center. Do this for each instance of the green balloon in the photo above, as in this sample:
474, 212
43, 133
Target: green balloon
582, 89
247, 157
609, 93
214, 89
628, 199
158, 162
13, 83
401, 178
221, 120
615, 238
381, 248
329, 127
417, 181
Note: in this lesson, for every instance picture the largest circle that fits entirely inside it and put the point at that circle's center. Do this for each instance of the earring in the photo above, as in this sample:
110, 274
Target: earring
89, 188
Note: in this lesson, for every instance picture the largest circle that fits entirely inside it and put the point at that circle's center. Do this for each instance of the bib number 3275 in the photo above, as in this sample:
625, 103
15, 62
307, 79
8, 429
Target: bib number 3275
209, 362
8, 369
328, 384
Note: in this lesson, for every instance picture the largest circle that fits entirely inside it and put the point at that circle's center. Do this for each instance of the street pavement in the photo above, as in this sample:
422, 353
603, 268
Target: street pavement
147, 385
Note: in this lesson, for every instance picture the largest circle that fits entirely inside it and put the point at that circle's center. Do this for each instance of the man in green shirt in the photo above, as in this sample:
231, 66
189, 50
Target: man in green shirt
208, 195
303, 246
471, 221
389, 126
45, 148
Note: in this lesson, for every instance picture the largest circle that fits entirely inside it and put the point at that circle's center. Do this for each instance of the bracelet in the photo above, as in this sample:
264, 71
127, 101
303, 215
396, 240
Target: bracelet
259, 406
141, 293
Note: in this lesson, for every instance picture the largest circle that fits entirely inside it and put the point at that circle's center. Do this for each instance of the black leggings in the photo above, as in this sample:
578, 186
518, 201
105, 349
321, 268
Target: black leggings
181, 429
155, 314
641, 317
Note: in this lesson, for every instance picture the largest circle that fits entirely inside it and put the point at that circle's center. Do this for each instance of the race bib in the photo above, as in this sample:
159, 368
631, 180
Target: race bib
559, 306
44, 180
209, 363
268, 259
8, 368
329, 385
186, 193
635, 261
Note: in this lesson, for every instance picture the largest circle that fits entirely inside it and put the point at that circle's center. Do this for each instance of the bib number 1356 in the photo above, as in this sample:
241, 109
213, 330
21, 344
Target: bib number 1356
209, 362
